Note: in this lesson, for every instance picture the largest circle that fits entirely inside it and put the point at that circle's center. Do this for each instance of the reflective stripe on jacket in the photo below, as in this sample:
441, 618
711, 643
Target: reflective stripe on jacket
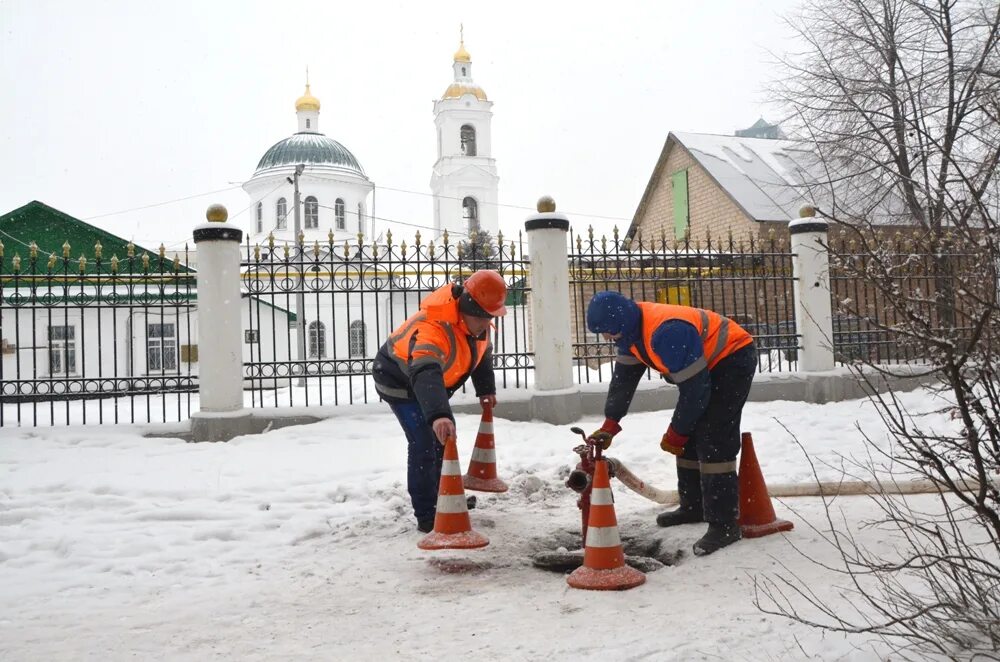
720, 335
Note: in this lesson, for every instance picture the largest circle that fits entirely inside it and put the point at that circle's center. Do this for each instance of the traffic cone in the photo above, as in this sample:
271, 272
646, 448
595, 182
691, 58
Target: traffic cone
603, 566
482, 473
452, 527
757, 516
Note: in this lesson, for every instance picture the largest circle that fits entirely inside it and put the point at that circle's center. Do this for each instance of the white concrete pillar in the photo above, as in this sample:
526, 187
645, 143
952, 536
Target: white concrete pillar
220, 345
813, 307
558, 400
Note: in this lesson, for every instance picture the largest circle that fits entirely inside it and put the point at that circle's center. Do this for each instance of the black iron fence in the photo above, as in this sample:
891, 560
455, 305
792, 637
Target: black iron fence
95, 340
325, 308
893, 292
750, 282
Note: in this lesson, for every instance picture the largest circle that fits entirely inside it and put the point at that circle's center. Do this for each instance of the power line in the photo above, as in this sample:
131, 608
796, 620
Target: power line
160, 204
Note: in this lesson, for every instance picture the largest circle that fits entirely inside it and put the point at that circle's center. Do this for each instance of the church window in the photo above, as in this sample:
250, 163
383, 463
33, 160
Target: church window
281, 211
338, 212
62, 349
317, 340
260, 217
468, 140
161, 347
463, 71
361, 218
307, 123
470, 214
312, 212
357, 338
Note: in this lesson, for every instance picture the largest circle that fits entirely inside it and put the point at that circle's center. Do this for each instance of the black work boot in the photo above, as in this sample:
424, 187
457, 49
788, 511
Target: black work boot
689, 491
425, 525
682, 515
719, 535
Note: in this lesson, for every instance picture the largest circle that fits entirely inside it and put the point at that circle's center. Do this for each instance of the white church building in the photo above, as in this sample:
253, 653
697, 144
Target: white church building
335, 196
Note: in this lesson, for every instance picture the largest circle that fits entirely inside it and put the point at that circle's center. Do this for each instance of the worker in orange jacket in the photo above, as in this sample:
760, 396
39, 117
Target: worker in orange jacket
426, 360
712, 360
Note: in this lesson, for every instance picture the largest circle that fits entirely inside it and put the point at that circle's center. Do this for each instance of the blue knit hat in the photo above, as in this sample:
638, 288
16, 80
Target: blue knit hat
613, 313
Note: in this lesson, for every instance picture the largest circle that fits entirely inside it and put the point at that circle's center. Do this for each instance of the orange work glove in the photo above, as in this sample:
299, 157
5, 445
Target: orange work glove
673, 442
602, 436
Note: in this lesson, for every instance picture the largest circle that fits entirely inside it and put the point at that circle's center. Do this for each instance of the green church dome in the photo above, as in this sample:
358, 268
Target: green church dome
309, 148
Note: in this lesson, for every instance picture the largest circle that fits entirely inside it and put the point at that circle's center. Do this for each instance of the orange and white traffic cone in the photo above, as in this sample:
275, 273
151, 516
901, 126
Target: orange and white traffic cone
603, 566
452, 526
482, 473
757, 516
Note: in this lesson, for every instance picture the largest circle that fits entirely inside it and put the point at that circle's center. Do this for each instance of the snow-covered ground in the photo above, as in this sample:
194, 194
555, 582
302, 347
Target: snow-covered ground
299, 544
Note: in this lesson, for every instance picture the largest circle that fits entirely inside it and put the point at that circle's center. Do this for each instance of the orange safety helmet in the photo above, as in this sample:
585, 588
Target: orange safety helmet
488, 289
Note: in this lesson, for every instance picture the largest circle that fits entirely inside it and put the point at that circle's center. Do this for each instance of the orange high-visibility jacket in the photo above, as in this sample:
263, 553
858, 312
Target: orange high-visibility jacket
437, 334
721, 336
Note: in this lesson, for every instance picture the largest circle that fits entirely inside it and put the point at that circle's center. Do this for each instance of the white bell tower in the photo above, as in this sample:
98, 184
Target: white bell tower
464, 179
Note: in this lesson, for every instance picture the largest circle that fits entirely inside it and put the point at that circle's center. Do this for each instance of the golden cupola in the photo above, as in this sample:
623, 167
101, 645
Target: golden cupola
463, 76
307, 101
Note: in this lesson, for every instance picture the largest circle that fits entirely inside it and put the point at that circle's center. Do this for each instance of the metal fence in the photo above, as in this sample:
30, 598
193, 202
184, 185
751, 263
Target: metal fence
96, 340
750, 282
884, 286
329, 306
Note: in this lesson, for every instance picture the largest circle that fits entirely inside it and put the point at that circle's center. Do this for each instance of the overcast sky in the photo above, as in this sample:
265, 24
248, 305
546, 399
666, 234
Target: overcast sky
112, 105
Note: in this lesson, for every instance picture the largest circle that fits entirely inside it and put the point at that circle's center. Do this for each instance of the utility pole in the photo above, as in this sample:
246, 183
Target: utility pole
300, 300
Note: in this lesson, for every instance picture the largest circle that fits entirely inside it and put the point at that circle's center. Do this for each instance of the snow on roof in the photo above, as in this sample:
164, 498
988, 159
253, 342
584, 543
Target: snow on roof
763, 176
772, 179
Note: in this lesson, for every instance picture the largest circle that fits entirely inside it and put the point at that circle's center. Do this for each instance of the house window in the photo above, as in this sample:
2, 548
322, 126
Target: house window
338, 212
161, 347
361, 218
311, 212
281, 212
468, 134
317, 340
62, 350
357, 338
470, 214
682, 218
260, 217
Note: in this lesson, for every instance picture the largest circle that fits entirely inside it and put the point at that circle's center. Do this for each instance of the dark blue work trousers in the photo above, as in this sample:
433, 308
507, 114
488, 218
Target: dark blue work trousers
423, 458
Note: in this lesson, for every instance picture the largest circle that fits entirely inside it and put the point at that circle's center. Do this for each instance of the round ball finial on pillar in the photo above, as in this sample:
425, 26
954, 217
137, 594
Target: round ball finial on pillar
545, 204
807, 211
217, 213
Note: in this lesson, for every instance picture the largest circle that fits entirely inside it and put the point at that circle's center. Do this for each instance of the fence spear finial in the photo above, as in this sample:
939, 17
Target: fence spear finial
66, 249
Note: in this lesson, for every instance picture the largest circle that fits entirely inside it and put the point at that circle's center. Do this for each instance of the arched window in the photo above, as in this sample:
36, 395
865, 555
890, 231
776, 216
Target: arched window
361, 218
357, 333
312, 212
260, 217
307, 123
470, 214
338, 212
281, 211
317, 340
468, 140
463, 71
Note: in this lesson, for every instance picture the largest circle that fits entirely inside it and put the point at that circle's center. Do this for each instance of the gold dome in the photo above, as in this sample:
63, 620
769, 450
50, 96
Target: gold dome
457, 90
307, 101
462, 55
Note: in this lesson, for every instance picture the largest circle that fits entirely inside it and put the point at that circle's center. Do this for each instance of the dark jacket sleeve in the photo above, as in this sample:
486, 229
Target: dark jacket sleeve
427, 382
624, 381
681, 349
483, 378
